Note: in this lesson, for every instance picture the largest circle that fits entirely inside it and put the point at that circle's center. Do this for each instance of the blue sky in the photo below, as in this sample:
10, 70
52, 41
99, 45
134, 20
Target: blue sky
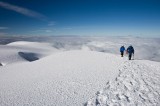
80, 17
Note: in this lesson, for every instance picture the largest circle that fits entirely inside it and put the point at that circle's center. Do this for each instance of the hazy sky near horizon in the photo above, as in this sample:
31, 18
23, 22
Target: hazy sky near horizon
80, 17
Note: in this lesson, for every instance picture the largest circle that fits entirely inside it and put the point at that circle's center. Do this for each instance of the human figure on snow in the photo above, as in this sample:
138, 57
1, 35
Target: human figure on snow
130, 51
122, 49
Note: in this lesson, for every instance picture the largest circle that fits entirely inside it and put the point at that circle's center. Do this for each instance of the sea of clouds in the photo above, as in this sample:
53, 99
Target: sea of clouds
145, 48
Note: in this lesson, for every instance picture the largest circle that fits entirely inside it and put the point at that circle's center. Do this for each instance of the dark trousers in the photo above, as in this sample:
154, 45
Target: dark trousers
130, 56
122, 54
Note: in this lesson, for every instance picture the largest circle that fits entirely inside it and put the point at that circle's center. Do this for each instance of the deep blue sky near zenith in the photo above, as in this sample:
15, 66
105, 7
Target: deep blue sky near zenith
80, 17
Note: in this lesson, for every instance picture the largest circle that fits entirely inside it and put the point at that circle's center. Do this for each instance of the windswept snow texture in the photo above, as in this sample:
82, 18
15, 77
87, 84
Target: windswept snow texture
137, 84
63, 79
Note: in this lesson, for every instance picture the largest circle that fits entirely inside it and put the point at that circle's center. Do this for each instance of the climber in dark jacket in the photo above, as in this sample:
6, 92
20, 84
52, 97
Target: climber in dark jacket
122, 49
130, 51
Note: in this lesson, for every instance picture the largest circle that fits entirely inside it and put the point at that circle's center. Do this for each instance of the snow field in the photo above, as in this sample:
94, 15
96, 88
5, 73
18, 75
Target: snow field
64, 78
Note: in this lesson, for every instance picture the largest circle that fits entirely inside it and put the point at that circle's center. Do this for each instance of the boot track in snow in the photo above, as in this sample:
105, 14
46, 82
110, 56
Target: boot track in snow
136, 84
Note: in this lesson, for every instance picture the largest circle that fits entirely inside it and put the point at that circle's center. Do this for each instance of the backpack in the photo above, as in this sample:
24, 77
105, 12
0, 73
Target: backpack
130, 49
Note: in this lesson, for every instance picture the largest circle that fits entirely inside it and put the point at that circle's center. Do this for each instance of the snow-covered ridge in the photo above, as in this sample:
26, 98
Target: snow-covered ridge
22, 43
23, 51
31, 44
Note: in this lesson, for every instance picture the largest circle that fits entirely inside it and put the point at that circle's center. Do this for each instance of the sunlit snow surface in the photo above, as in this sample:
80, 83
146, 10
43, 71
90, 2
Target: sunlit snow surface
76, 71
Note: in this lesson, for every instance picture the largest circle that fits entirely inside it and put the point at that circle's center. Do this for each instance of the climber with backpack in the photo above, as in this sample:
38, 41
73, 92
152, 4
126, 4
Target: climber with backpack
122, 49
130, 52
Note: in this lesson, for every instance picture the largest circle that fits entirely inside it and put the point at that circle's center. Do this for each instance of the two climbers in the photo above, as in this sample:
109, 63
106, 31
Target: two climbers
129, 51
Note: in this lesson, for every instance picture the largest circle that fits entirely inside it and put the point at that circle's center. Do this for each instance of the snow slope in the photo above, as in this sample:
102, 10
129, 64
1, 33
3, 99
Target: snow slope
71, 78
137, 84
64, 78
